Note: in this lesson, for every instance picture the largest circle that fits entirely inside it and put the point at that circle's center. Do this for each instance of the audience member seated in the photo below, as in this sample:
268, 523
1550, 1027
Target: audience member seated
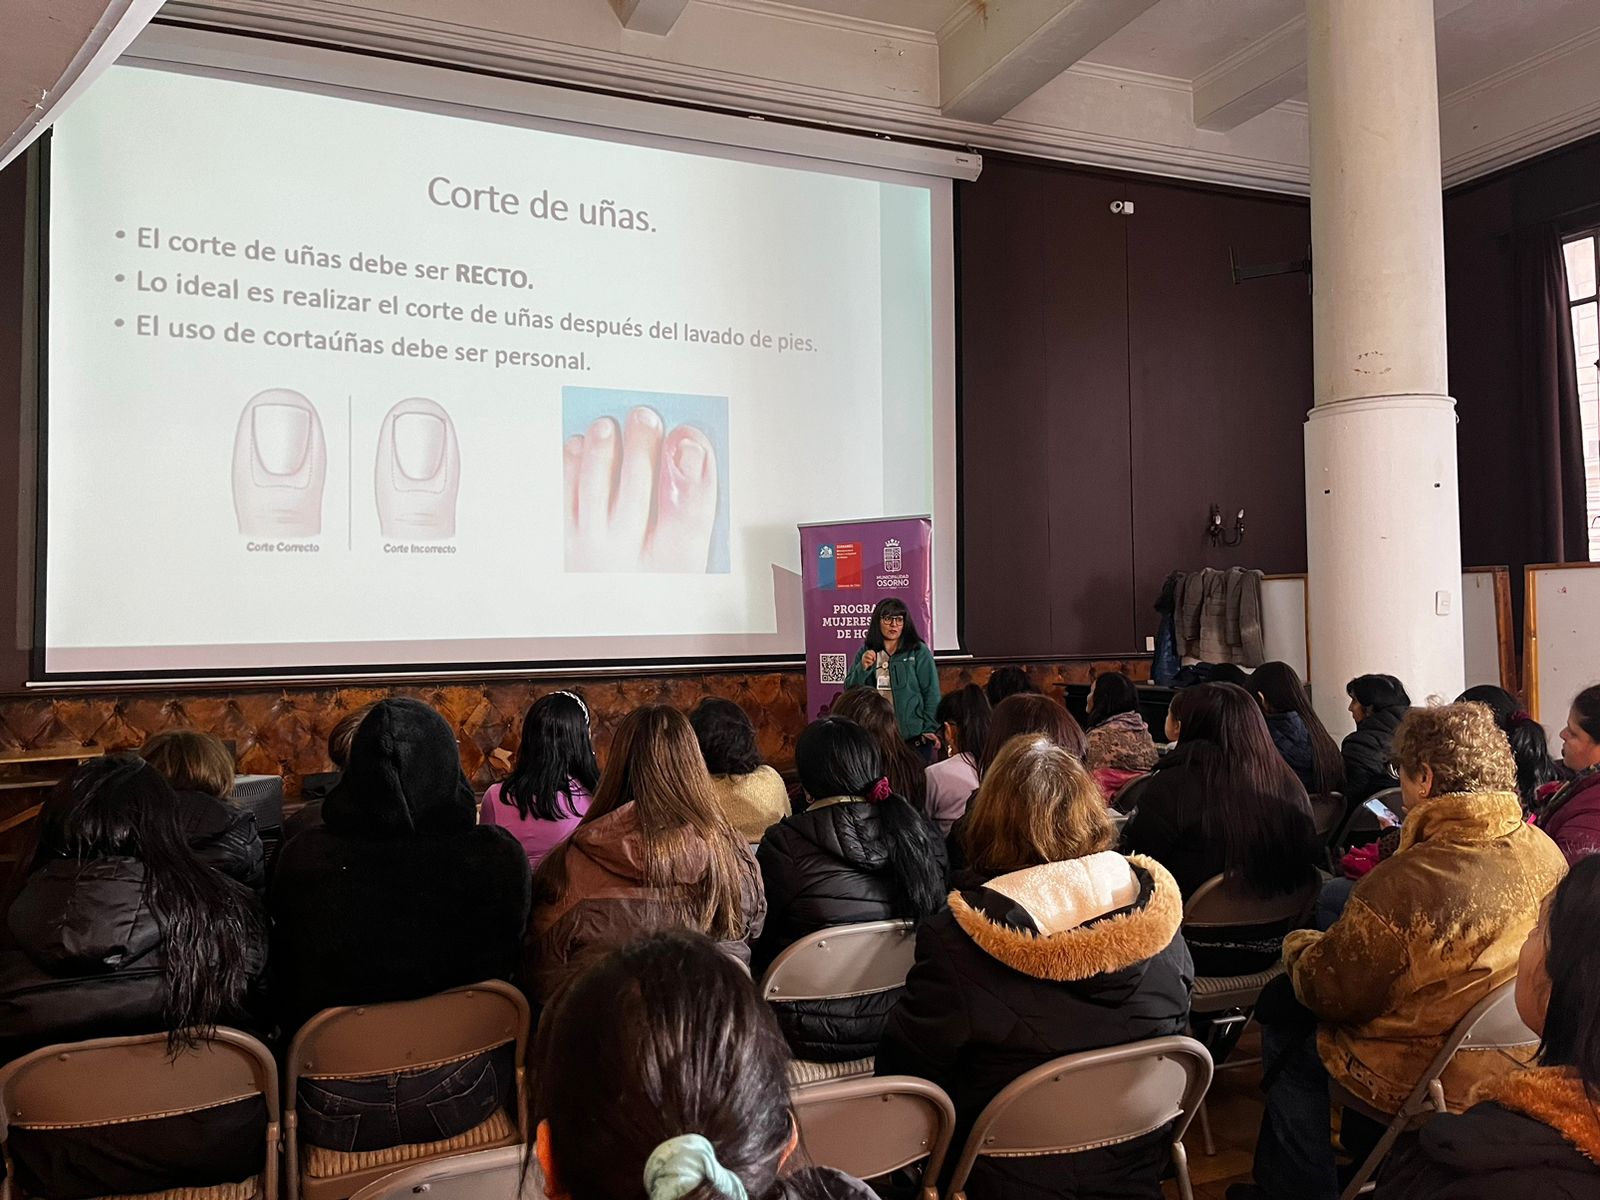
859, 852
1223, 801
1535, 1132
555, 774
653, 850
661, 1075
1120, 748
1007, 681
313, 794
399, 893
1425, 936
750, 793
1570, 812
1068, 946
1021, 712
114, 927
964, 726
907, 772
1378, 703
117, 929
200, 769
1530, 745
1297, 731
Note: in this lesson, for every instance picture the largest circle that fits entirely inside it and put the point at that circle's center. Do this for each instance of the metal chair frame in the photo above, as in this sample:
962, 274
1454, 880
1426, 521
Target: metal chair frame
859, 1103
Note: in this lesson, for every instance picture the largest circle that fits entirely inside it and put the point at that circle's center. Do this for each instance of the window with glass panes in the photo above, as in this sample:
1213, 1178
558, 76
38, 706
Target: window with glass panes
1583, 272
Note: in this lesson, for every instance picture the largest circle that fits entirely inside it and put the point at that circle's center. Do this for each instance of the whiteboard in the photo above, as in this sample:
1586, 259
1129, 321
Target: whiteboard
1288, 639
1563, 638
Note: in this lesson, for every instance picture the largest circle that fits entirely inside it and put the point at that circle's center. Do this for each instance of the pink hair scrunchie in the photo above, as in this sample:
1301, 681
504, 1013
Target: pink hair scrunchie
880, 790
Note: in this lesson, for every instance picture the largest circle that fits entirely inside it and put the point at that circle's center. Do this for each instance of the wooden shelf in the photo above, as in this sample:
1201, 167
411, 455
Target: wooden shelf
24, 785
18, 758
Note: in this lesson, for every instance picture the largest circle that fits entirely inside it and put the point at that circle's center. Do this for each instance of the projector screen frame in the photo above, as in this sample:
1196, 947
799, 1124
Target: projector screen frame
178, 40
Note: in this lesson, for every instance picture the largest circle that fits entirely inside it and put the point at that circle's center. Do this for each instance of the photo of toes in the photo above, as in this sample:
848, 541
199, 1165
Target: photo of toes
644, 482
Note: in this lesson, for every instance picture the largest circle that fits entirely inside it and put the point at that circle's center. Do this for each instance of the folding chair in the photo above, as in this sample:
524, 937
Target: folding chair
1492, 1024
1090, 1100
1327, 814
836, 963
372, 1039
1363, 822
112, 1081
1224, 903
481, 1175
872, 1127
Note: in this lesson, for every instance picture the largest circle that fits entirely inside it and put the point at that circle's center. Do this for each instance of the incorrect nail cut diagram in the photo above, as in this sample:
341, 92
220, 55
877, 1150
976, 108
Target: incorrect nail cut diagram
280, 461
418, 472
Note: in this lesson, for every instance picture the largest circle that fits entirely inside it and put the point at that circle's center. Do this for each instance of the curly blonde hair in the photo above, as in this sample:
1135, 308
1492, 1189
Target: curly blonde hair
1462, 744
1037, 804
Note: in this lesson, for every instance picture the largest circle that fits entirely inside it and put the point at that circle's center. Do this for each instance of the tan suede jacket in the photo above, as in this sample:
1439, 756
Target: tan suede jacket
1430, 932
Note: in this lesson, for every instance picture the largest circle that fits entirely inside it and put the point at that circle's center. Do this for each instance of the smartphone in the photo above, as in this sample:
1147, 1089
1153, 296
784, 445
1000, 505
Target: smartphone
1383, 812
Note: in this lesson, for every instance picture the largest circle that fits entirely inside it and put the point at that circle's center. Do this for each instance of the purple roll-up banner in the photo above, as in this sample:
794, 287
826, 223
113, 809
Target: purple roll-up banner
846, 568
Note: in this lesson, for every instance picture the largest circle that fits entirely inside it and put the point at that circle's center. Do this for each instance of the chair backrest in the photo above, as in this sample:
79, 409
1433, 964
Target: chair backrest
870, 1127
1092, 1099
1227, 902
482, 1175
1327, 814
371, 1039
109, 1080
843, 960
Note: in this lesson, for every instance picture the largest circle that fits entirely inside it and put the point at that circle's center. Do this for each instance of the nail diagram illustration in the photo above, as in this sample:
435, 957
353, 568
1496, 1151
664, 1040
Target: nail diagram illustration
418, 472
637, 497
280, 460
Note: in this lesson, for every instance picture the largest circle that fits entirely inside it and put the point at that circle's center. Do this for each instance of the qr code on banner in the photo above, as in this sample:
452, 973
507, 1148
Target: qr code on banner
833, 667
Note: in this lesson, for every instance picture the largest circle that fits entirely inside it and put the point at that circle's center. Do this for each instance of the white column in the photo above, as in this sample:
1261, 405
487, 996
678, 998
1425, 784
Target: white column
1382, 522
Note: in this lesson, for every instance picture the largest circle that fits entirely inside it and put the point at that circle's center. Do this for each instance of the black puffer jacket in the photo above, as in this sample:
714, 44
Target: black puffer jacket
82, 955
1366, 754
1293, 740
400, 893
1017, 973
1533, 1133
223, 836
829, 866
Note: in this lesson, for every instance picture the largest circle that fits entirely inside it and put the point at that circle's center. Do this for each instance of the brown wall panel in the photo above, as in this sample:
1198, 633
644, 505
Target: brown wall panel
1221, 382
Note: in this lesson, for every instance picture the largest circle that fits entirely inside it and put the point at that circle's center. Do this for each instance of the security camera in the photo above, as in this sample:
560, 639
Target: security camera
1116, 206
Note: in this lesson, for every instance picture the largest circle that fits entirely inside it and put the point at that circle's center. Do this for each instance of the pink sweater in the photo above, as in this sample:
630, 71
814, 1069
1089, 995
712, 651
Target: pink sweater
538, 837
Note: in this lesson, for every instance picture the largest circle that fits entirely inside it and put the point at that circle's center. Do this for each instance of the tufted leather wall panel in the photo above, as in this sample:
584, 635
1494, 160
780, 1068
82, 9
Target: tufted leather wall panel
284, 731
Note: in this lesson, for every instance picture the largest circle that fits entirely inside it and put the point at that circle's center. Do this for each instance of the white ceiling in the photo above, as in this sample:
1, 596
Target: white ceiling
1185, 38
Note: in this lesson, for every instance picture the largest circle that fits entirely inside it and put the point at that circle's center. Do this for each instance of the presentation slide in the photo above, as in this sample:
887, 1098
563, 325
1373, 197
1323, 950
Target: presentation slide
335, 382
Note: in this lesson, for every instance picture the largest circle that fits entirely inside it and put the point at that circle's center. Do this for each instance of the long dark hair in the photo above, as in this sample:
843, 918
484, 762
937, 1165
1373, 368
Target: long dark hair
663, 1037
726, 736
1031, 712
655, 765
555, 750
212, 930
1572, 963
1281, 691
1373, 692
836, 757
968, 709
1530, 745
1253, 804
871, 709
1110, 695
889, 606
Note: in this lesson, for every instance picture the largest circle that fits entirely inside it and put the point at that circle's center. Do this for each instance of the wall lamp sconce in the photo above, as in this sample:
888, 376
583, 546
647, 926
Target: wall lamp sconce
1217, 535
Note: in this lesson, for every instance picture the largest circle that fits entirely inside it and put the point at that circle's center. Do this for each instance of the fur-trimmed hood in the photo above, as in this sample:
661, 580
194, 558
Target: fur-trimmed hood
1076, 920
1553, 1096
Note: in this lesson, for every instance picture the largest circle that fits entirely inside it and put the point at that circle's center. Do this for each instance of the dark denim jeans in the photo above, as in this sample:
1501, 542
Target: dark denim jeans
428, 1104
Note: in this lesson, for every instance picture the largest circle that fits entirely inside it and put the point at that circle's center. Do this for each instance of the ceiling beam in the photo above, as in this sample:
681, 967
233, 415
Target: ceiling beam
1261, 76
649, 16
1000, 52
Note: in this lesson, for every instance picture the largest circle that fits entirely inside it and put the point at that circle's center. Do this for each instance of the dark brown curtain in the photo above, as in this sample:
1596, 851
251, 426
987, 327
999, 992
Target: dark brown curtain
1552, 451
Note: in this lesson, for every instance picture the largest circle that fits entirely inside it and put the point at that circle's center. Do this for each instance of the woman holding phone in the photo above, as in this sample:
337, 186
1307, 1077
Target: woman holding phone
895, 660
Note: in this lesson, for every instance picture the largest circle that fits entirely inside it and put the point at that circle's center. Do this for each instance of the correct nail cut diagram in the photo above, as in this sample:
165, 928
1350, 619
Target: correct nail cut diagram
418, 472
280, 460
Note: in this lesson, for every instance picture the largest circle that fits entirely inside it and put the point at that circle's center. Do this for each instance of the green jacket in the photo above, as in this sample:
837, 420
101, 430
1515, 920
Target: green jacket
915, 683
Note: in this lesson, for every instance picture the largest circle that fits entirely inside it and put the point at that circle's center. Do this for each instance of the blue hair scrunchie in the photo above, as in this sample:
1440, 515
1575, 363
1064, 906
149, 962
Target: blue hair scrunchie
681, 1164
